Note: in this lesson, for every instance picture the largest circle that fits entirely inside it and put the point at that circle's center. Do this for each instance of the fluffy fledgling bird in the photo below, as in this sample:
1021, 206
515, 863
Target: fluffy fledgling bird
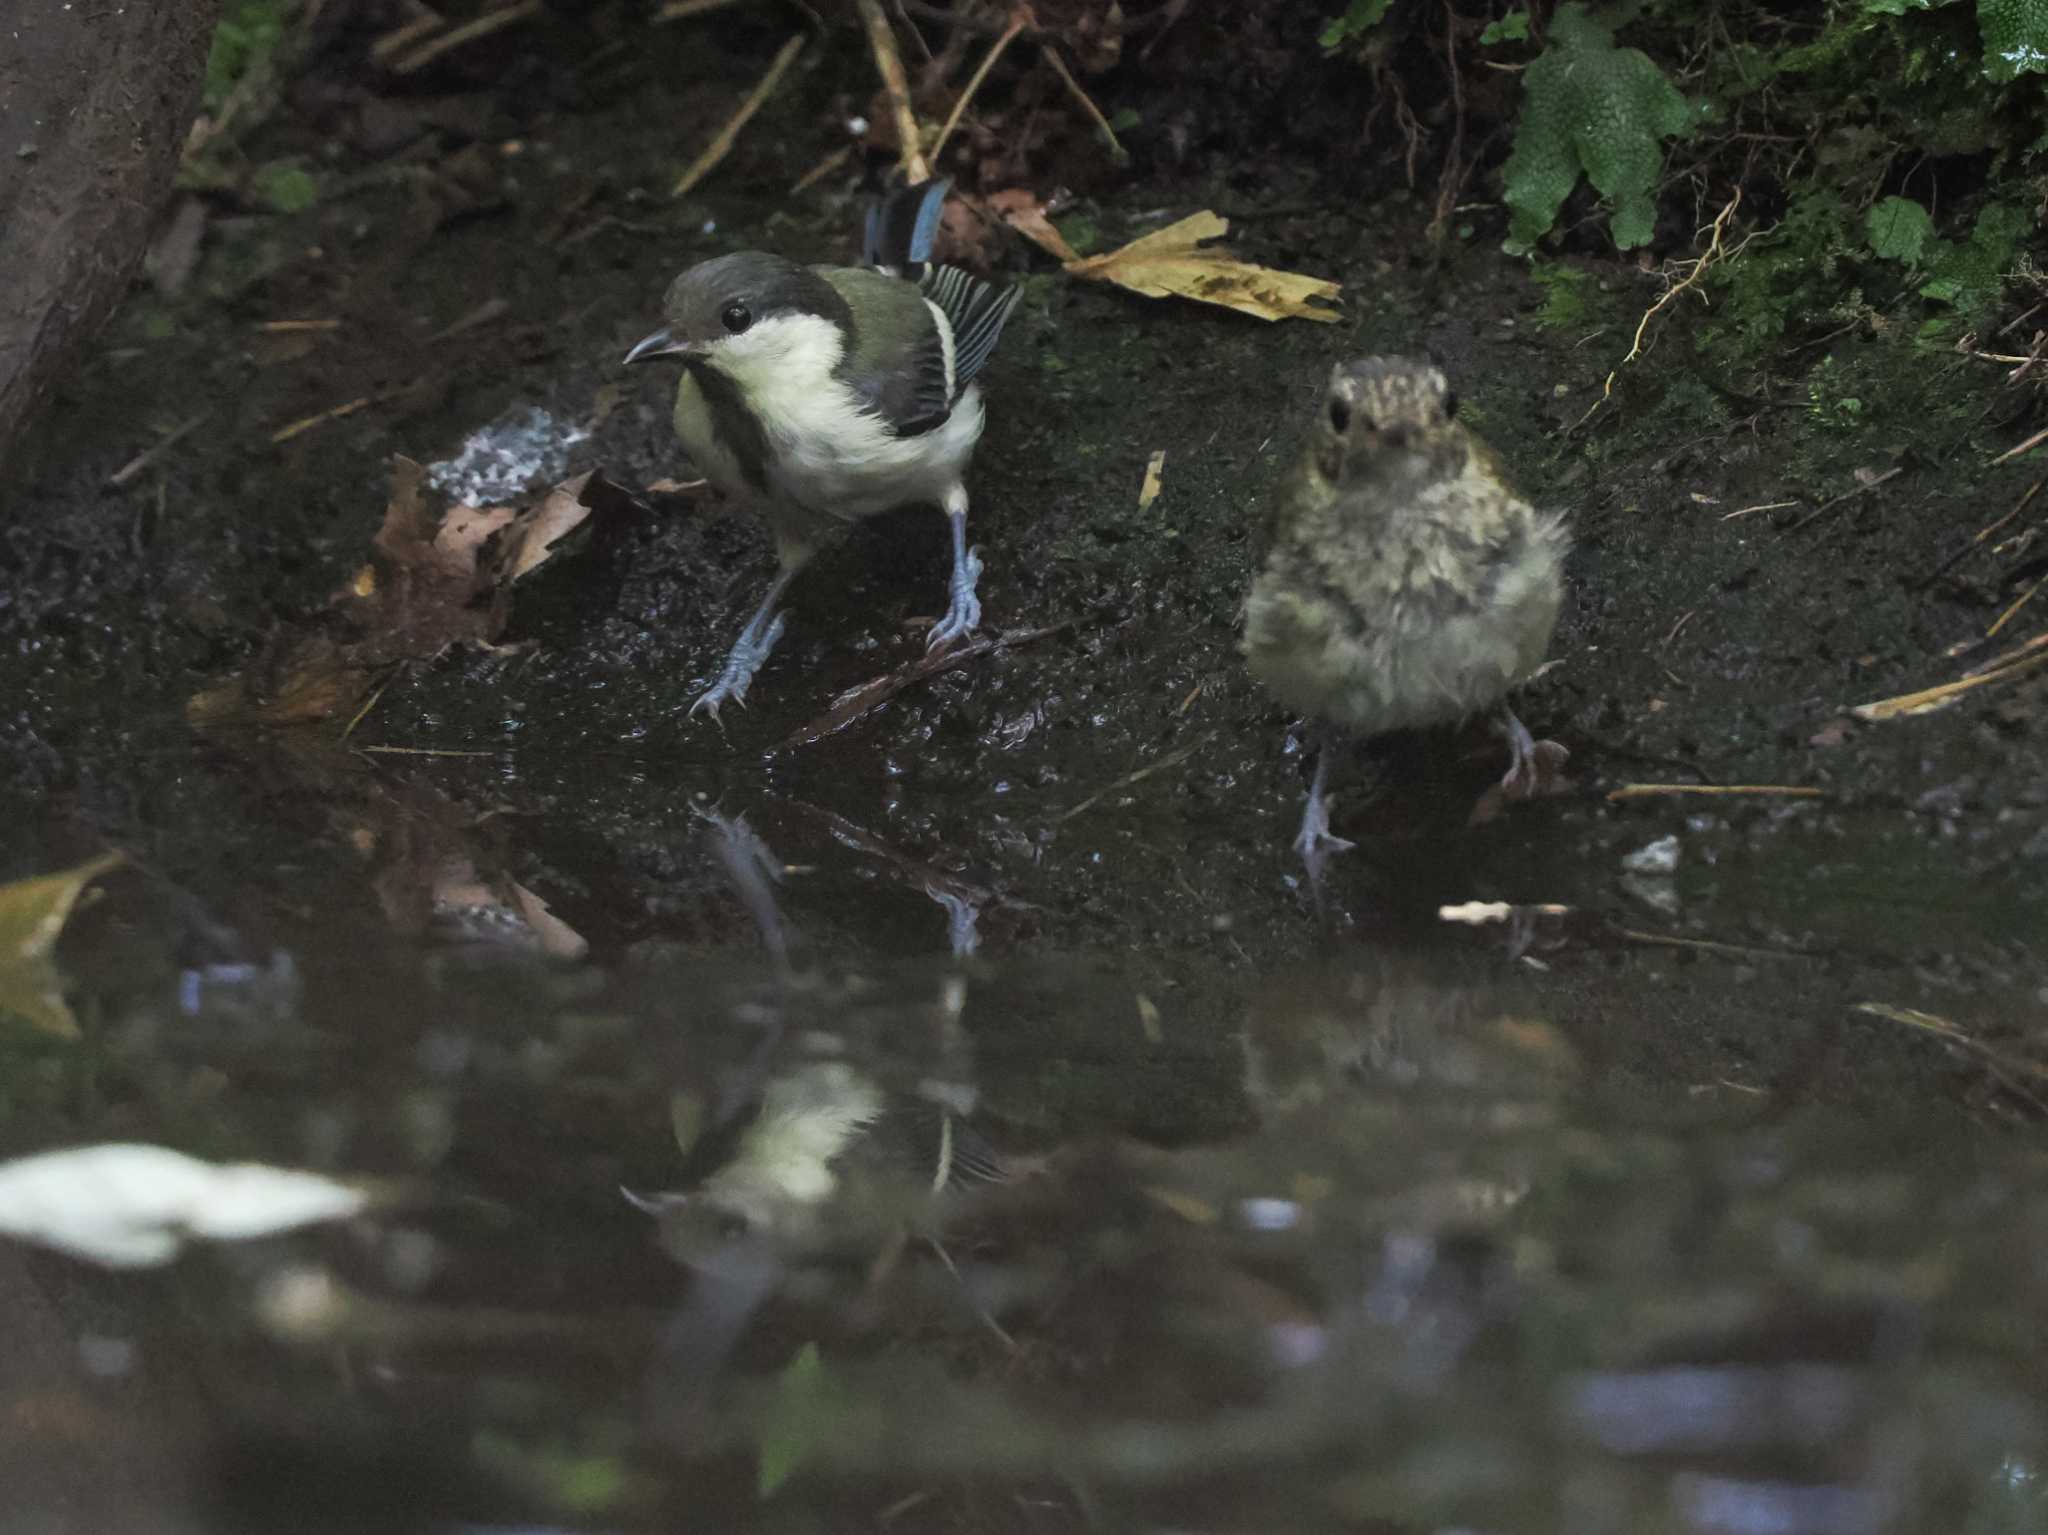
1403, 582
825, 394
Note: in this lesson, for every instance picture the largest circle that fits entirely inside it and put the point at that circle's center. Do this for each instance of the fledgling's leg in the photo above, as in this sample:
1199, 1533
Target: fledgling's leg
756, 640
1315, 838
964, 614
1528, 772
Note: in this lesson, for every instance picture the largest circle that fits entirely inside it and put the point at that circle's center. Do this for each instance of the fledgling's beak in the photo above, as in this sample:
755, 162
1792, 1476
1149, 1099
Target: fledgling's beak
660, 344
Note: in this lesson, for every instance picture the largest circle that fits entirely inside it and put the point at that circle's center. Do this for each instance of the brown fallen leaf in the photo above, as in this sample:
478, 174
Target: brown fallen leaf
1026, 214
432, 582
32, 913
1174, 262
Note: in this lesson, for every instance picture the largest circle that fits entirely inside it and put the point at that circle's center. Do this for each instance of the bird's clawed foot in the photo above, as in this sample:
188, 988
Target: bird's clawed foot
1315, 841
744, 659
1535, 768
963, 617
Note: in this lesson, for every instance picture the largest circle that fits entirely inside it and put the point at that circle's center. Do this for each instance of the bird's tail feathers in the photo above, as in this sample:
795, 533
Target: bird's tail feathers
903, 226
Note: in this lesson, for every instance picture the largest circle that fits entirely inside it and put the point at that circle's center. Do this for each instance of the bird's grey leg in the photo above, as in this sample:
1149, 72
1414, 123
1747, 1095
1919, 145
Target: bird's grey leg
1532, 764
964, 614
1315, 838
748, 651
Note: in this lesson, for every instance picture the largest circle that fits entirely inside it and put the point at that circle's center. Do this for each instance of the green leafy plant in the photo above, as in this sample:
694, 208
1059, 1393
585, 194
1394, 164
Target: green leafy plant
1564, 305
1352, 27
1968, 275
1511, 28
1590, 108
244, 43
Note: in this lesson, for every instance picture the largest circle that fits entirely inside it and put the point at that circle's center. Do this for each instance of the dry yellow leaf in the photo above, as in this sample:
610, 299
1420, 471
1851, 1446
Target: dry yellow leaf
32, 914
1155, 471
1173, 262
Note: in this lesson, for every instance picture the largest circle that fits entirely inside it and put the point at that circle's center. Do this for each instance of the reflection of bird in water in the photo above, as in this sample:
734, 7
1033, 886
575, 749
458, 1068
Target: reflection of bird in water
827, 1163
828, 1168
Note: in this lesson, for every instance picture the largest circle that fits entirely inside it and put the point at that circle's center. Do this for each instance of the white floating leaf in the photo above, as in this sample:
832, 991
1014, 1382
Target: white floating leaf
133, 1206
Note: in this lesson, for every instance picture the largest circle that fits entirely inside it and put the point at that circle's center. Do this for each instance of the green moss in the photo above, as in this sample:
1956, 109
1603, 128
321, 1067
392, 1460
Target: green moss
285, 187
1590, 108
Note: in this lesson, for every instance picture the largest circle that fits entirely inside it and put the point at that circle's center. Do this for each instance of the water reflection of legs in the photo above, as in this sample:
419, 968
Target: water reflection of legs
755, 871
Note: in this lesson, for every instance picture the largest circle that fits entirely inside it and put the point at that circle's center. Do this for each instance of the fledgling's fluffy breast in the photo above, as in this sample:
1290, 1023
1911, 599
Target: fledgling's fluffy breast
1404, 581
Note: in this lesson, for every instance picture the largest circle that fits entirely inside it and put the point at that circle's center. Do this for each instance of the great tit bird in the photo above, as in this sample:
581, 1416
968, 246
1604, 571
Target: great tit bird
826, 394
1404, 582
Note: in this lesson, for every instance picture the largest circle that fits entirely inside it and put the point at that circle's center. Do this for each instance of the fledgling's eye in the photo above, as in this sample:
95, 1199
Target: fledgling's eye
1450, 405
1340, 414
737, 317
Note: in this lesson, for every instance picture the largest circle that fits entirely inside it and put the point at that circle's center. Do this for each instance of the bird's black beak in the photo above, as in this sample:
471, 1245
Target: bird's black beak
660, 344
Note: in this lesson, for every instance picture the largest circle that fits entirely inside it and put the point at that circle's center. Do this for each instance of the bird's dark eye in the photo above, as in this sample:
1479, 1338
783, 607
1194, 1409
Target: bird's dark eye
737, 317
1340, 414
1450, 405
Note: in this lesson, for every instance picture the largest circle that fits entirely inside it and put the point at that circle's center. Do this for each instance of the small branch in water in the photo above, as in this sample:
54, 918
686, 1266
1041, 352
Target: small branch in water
1709, 946
1171, 759
2004, 1068
869, 696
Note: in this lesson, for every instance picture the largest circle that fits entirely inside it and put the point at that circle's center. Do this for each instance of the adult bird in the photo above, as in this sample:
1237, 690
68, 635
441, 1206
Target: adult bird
826, 394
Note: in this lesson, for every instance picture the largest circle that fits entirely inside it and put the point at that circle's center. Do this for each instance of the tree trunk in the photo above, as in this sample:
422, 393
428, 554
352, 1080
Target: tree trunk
95, 99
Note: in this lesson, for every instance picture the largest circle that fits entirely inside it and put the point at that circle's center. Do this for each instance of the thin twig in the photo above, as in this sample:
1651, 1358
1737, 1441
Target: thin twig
1765, 506
719, 147
980, 74
678, 10
307, 423
1848, 495
822, 169
2019, 506
1647, 790
1709, 946
419, 751
2034, 441
483, 26
1452, 176
1059, 65
1171, 759
2025, 598
2001, 1065
150, 455
2014, 663
896, 86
